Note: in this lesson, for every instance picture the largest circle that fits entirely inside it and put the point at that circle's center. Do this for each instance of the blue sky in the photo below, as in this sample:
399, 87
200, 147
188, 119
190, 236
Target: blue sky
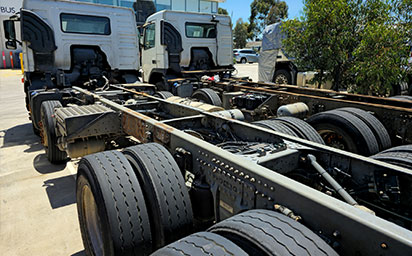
241, 8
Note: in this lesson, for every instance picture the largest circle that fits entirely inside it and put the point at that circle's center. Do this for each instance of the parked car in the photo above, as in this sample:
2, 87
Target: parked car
245, 55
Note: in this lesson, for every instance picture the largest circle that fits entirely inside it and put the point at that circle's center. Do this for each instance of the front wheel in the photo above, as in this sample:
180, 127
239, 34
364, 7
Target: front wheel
48, 132
282, 76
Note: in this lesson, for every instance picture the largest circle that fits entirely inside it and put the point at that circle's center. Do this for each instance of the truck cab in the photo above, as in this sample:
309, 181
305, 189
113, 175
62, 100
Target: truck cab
68, 43
180, 44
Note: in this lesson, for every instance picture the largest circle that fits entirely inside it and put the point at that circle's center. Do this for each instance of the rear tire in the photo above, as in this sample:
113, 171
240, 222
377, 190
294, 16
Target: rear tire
401, 156
264, 232
202, 243
402, 97
275, 126
164, 189
243, 61
112, 211
48, 124
403, 148
302, 128
380, 132
208, 96
345, 131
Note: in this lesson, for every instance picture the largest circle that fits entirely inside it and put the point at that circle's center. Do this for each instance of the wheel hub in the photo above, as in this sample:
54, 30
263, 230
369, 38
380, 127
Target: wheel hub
281, 79
333, 139
92, 219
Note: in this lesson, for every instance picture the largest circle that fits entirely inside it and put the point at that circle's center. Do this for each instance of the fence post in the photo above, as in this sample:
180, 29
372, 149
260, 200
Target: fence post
21, 62
11, 60
4, 60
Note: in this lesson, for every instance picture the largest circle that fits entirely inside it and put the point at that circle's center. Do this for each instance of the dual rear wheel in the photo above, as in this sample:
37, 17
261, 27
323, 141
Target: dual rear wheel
136, 202
131, 203
351, 129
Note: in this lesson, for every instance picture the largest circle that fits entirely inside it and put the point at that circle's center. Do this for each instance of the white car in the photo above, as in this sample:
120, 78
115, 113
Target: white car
245, 55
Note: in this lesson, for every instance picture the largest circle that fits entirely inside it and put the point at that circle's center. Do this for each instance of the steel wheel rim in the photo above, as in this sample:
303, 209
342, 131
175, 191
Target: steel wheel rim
94, 228
333, 139
281, 79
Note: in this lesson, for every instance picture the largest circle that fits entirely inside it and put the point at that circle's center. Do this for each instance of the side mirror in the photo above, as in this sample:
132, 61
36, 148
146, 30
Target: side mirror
11, 45
9, 30
141, 40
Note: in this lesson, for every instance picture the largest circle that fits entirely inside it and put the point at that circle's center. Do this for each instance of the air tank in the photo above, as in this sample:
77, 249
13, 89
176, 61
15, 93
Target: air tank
299, 110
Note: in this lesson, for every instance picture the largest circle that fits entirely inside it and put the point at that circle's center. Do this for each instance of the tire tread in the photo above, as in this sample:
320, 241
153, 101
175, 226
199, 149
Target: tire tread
202, 243
166, 188
274, 233
213, 97
303, 128
53, 153
380, 132
123, 201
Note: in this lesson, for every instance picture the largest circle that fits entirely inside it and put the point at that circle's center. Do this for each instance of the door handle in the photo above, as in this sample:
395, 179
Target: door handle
154, 61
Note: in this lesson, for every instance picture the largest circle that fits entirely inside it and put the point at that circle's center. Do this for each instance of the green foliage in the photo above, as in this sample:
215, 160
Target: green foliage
240, 34
263, 13
355, 43
222, 11
381, 54
403, 10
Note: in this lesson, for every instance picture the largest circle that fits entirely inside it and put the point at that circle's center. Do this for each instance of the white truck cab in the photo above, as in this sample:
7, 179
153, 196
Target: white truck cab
176, 44
67, 43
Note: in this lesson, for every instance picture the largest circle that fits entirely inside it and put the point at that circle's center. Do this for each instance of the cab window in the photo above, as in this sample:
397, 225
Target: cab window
199, 30
85, 24
149, 36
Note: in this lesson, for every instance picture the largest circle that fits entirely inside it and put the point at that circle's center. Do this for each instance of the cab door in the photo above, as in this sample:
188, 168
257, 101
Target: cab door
149, 58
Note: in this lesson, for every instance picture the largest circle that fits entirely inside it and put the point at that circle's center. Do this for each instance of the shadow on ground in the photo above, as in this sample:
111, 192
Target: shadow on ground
20, 135
81, 253
61, 191
43, 166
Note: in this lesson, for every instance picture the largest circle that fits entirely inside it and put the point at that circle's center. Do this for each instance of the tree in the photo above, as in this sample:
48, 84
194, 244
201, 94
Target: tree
355, 43
240, 34
143, 9
222, 11
263, 13
380, 55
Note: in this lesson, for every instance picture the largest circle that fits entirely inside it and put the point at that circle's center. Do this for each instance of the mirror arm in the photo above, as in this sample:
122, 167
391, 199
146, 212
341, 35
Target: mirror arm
15, 17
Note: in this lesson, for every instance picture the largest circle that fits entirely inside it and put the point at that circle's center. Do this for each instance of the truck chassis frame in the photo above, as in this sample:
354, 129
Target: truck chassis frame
240, 182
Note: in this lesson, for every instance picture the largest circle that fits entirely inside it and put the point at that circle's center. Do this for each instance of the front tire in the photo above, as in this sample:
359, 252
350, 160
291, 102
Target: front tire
208, 96
48, 132
282, 76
